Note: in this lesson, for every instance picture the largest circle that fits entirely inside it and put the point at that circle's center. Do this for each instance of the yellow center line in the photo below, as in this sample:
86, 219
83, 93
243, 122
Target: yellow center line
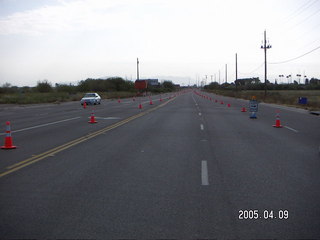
53, 151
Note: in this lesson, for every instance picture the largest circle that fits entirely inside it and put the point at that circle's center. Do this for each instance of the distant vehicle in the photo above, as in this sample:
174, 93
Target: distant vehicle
91, 98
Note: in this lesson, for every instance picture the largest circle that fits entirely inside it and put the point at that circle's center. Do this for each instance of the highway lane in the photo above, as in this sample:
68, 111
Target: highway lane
38, 128
184, 170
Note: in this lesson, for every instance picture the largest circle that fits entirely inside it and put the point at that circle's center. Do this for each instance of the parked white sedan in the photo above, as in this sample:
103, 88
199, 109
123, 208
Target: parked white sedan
91, 98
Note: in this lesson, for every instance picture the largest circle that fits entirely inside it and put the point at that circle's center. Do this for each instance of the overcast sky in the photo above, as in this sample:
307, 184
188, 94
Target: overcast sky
65, 41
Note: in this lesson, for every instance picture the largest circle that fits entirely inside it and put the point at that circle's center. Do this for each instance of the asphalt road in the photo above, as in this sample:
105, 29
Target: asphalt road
186, 167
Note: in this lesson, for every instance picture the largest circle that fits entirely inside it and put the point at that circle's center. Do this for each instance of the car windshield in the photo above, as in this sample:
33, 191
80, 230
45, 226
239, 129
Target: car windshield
89, 95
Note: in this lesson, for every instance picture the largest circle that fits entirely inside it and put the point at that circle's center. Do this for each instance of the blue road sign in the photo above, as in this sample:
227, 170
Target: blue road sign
253, 106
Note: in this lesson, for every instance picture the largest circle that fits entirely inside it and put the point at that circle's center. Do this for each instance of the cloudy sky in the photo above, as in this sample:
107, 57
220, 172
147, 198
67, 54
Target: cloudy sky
65, 41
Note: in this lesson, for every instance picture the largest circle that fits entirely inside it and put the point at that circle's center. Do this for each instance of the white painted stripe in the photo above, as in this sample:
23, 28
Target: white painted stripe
201, 127
42, 125
204, 173
291, 129
106, 118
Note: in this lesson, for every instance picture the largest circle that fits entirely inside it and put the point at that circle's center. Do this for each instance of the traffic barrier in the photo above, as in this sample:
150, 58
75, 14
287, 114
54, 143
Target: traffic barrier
278, 123
92, 119
8, 138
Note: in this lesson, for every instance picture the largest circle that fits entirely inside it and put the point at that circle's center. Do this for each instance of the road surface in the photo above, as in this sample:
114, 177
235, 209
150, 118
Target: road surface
184, 167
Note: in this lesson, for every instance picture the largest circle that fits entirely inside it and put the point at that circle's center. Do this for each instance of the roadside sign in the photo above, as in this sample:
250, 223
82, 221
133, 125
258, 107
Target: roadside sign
253, 105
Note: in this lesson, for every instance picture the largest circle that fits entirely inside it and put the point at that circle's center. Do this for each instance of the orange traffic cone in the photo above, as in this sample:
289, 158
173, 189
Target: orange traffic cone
243, 109
8, 138
140, 106
119, 100
278, 124
92, 119
221, 102
84, 105
229, 105
151, 101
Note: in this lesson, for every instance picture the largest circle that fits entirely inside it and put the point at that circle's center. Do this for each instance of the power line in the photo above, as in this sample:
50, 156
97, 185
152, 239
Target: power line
307, 17
298, 11
292, 22
257, 68
292, 59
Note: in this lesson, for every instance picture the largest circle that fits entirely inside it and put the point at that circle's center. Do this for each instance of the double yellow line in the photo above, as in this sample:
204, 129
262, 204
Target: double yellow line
53, 151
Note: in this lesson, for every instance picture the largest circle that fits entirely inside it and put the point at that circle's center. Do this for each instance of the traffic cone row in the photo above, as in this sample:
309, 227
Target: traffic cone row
8, 142
211, 99
243, 109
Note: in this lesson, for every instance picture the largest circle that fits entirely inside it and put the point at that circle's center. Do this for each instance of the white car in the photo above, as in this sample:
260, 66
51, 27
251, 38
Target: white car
91, 98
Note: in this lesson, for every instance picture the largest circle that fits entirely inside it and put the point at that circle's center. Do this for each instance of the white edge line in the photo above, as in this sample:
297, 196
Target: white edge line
204, 173
42, 125
201, 127
291, 129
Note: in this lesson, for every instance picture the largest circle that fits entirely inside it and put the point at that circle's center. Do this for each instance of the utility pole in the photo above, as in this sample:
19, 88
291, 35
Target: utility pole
265, 46
226, 73
137, 68
236, 70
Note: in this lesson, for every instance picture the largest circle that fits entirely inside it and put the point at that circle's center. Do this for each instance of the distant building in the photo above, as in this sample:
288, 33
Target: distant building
153, 82
247, 81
